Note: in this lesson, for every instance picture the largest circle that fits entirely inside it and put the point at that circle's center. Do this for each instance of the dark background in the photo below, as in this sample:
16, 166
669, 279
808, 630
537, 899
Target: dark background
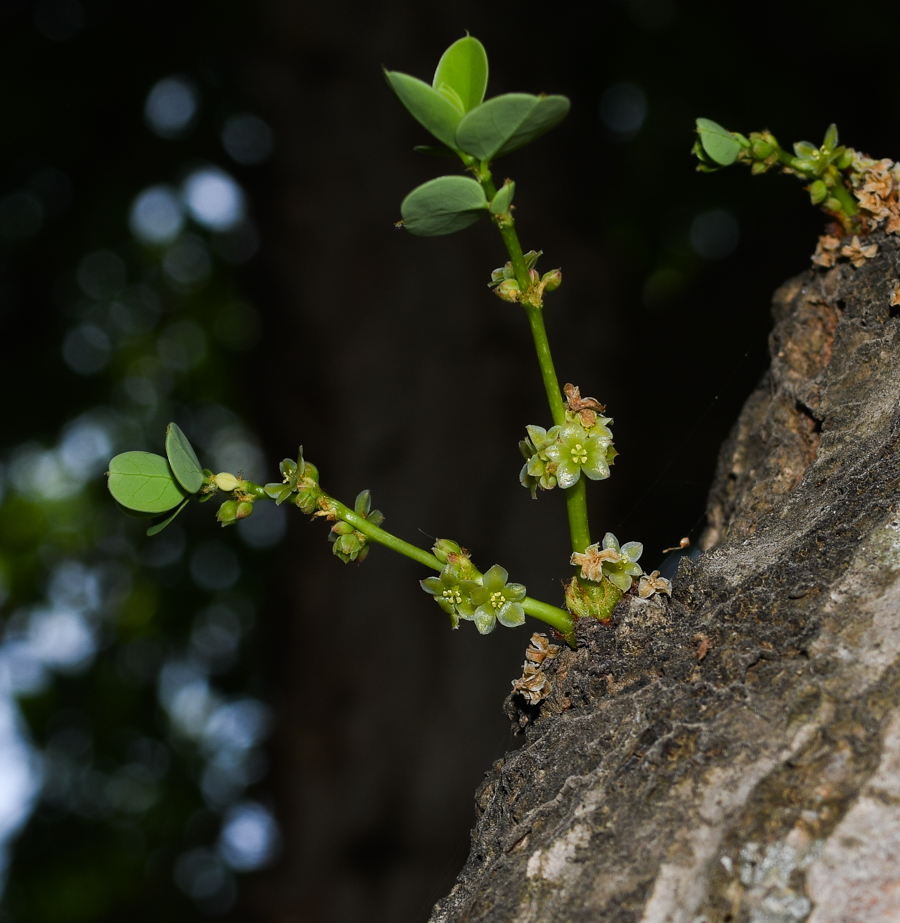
390, 360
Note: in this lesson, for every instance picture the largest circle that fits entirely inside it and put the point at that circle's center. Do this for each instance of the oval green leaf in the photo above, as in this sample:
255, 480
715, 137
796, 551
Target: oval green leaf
183, 459
159, 526
719, 143
144, 482
463, 69
443, 205
428, 107
506, 123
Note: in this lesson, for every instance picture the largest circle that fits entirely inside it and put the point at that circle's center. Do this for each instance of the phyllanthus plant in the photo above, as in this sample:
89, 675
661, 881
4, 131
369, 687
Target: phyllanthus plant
859, 193
577, 446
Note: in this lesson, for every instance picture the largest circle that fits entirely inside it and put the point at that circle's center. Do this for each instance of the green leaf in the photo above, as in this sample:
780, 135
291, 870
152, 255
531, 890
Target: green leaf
159, 526
463, 68
144, 482
183, 459
501, 202
506, 123
721, 146
428, 107
442, 206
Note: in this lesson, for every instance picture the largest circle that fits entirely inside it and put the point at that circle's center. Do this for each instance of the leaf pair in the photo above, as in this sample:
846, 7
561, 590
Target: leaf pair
454, 111
144, 484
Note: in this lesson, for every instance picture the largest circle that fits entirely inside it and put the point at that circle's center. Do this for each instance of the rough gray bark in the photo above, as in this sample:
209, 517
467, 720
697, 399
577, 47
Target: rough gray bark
734, 753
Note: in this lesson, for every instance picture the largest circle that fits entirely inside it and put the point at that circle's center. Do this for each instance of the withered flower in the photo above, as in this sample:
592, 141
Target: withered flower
857, 253
540, 649
587, 408
533, 684
653, 583
826, 251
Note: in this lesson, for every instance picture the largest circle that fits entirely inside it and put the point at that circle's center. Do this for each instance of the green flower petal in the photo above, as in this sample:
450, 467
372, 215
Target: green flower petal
511, 615
620, 580
567, 473
632, 550
432, 585
494, 579
610, 541
515, 592
485, 620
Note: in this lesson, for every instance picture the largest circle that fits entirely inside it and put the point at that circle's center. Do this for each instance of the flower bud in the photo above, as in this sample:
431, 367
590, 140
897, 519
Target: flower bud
552, 280
443, 548
227, 482
244, 509
761, 149
227, 514
508, 290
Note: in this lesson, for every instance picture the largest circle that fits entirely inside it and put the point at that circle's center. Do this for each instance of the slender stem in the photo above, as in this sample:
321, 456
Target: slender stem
576, 506
576, 497
557, 618
379, 535
545, 361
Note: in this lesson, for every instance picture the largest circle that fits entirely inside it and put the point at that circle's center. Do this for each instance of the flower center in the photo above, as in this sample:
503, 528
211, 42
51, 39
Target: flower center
497, 599
579, 455
453, 595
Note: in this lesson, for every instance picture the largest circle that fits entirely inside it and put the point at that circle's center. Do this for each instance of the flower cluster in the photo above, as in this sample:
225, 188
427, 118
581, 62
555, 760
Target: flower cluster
558, 456
608, 559
876, 186
349, 543
298, 477
506, 286
463, 593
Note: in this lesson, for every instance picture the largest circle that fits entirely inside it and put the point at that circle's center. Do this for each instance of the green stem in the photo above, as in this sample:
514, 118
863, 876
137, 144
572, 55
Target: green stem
576, 497
545, 361
842, 193
379, 535
576, 506
557, 618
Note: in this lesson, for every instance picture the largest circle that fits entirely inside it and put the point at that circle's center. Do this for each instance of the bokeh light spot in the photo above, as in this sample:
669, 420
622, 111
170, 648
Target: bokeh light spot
715, 234
249, 838
156, 215
623, 109
247, 138
214, 199
171, 106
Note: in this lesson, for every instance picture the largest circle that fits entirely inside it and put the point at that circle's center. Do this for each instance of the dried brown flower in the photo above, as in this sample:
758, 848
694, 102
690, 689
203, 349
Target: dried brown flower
857, 253
653, 583
826, 251
895, 296
591, 562
533, 684
540, 649
893, 225
586, 407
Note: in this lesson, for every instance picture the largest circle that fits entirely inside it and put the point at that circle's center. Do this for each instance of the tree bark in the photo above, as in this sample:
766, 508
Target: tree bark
734, 753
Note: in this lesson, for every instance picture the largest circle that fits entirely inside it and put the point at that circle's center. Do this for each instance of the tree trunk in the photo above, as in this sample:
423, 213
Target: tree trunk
734, 753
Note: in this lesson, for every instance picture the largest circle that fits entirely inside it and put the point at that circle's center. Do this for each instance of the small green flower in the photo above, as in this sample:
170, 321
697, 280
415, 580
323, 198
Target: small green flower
497, 601
451, 594
577, 449
535, 472
621, 572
